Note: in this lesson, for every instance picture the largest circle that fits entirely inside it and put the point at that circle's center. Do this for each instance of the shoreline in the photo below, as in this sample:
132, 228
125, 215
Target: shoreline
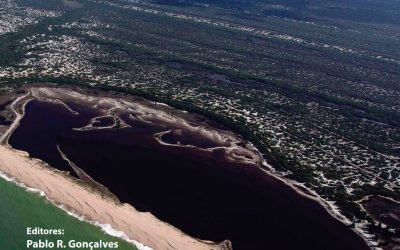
265, 167
73, 197
329, 206
169, 238
106, 228
373, 217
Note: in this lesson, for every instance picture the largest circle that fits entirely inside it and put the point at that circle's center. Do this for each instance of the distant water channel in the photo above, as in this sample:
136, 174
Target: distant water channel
198, 192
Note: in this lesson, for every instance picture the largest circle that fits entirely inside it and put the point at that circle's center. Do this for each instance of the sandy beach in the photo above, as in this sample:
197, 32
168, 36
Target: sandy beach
83, 200
62, 189
95, 205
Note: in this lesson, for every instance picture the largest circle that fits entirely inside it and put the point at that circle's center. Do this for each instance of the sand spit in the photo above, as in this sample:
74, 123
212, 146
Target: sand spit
105, 227
142, 227
148, 112
6, 135
77, 198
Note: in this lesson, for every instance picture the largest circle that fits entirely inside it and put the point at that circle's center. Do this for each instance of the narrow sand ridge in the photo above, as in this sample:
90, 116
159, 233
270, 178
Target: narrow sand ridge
83, 199
146, 229
142, 227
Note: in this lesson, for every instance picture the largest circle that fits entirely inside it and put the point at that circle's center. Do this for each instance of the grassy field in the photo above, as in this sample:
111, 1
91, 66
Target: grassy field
20, 209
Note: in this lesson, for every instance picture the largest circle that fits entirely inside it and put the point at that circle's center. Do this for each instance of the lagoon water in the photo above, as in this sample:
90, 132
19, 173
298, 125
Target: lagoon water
199, 192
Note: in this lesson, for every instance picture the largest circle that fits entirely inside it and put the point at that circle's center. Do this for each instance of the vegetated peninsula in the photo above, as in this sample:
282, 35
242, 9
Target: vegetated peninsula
157, 174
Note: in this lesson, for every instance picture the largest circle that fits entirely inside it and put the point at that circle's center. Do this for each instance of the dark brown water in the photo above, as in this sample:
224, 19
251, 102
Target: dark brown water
104, 121
4, 121
3, 105
383, 210
198, 192
188, 138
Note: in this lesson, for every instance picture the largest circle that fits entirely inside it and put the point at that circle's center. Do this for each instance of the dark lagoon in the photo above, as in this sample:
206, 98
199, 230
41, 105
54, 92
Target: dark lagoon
3, 121
383, 209
197, 191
